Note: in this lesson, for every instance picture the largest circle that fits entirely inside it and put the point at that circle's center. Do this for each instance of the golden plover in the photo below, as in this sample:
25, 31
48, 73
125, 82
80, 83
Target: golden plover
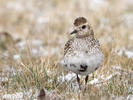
82, 53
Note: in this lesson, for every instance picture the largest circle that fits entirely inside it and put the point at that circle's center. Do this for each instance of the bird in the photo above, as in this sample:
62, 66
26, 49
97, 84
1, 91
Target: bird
82, 52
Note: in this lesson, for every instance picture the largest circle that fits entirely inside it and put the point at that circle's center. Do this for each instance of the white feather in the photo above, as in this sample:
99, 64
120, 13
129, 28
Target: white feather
93, 61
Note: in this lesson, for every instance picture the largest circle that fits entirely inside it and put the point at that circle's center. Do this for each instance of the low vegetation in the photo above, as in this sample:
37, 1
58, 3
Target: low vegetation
32, 37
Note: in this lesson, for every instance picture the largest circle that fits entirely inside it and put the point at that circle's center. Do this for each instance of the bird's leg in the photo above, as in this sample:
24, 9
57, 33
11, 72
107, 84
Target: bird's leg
78, 80
86, 80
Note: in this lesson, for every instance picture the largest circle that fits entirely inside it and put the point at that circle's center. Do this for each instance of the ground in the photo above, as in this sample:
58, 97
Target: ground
32, 38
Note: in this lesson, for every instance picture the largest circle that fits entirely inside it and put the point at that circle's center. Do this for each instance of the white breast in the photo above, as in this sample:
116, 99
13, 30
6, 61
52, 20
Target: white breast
93, 61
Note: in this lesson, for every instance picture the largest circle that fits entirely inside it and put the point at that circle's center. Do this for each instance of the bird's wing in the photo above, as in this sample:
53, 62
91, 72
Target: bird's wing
68, 46
95, 42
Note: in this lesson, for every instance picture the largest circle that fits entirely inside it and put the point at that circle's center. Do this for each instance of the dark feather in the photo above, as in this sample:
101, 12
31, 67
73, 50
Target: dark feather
83, 68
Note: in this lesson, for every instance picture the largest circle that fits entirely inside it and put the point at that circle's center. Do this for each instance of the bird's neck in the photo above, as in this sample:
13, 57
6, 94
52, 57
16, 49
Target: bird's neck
85, 35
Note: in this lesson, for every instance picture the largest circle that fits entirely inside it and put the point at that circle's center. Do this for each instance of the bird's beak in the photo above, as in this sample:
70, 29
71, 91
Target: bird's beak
73, 32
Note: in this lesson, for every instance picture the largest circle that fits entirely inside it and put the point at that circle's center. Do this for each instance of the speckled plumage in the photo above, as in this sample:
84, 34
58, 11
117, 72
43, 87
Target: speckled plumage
82, 53
85, 44
82, 48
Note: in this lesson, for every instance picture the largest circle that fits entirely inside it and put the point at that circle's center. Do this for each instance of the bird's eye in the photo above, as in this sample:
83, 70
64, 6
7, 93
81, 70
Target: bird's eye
84, 26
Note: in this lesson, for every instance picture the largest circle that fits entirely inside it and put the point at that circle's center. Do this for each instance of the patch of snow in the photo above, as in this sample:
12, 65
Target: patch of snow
102, 78
37, 42
66, 77
118, 97
116, 67
43, 51
16, 36
129, 54
3, 79
34, 51
95, 80
42, 19
21, 95
15, 5
120, 52
5, 54
69, 76
122, 69
15, 96
126, 19
130, 88
129, 97
109, 77
10, 71
21, 44
16, 57
128, 2
54, 50
73, 99
97, 4
48, 71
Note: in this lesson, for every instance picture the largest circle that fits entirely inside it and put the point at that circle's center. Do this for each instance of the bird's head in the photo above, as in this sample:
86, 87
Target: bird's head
81, 27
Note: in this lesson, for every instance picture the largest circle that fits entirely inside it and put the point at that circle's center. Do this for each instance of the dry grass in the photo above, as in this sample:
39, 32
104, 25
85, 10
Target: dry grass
43, 27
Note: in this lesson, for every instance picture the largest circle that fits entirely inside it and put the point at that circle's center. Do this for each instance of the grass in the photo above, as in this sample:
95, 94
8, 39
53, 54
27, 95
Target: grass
37, 65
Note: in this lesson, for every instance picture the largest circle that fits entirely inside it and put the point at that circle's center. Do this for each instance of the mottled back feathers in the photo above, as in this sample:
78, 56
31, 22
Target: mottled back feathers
68, 46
